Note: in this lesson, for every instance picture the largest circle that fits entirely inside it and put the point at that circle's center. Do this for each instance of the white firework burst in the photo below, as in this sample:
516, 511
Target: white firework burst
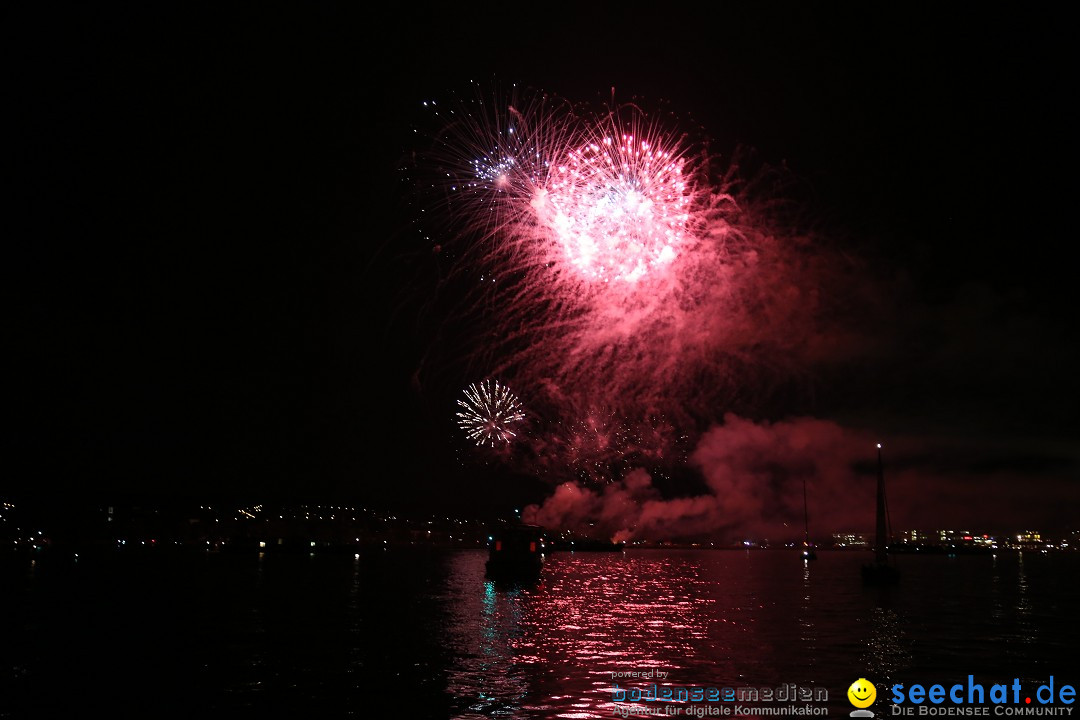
488, 411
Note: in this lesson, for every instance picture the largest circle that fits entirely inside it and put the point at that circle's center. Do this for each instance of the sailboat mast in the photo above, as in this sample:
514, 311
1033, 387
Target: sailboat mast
880, 541
805, 515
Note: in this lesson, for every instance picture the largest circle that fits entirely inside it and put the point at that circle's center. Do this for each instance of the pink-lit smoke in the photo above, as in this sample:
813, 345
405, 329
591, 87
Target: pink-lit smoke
753, 487
753, 475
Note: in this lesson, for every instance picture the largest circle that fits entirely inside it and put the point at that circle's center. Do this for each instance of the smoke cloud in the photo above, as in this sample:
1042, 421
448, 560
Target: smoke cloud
753, 473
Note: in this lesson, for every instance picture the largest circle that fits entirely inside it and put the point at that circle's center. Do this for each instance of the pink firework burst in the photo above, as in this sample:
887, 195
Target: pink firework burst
566, 197
619, 205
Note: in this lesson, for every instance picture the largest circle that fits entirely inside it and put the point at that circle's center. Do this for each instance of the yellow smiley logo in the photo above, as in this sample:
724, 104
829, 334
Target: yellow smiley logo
862, 693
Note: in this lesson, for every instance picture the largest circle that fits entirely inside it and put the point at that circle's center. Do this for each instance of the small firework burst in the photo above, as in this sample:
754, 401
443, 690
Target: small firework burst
488, 411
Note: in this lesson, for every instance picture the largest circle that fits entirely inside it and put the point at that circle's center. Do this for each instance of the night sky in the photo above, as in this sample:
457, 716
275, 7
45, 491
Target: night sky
212, 291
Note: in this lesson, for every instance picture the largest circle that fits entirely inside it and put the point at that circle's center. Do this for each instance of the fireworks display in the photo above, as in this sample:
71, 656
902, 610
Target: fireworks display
619, 207
602, 259
593, 447
488, 411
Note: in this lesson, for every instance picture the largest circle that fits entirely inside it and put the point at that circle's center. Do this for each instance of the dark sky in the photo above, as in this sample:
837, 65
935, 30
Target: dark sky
204, 218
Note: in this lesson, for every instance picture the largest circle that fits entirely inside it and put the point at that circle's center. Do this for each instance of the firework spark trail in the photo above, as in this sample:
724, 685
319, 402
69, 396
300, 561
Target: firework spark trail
608, 265
488, 412
593, 446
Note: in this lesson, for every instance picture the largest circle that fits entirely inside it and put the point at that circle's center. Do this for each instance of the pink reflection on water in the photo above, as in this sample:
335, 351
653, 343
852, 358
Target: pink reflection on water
590, 615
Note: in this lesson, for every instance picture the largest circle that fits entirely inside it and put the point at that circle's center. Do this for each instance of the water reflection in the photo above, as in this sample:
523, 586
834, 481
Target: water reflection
718, 619
557, 648
486, 624
807, 624
1026, 634
887, 652
598, 614
424, 634
1023, 603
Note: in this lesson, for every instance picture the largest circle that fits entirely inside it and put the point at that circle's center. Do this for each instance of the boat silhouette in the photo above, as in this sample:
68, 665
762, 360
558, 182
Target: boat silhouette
516, 552
881, 571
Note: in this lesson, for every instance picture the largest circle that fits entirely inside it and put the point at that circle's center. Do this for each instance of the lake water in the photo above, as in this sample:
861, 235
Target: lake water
421, 634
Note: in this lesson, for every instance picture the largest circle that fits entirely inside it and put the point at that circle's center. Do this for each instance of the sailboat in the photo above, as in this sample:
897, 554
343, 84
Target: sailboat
807, 549
881, 571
